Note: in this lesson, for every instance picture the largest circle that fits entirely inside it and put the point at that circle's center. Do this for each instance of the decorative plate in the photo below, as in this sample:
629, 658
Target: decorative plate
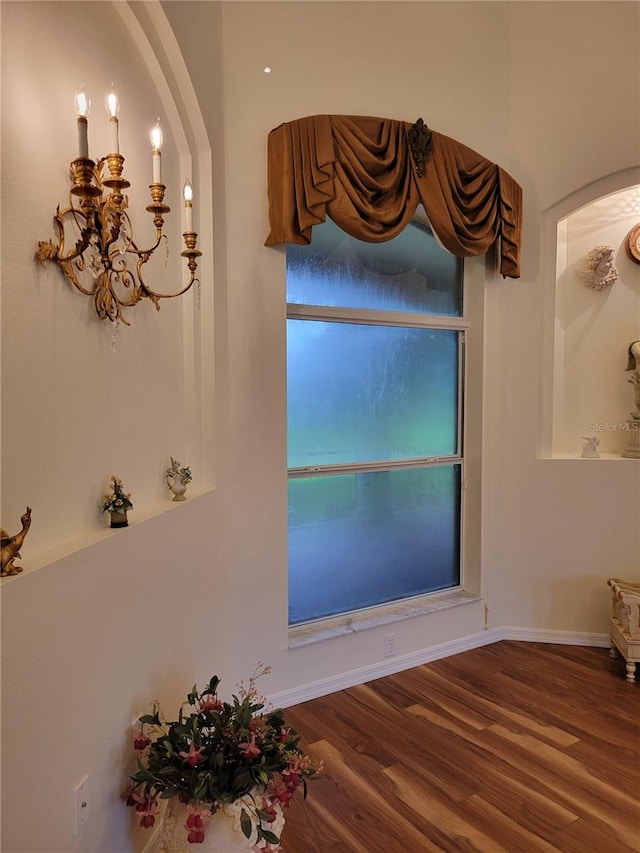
632, 244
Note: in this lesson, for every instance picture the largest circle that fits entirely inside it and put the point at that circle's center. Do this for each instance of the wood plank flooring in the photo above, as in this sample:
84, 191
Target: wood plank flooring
510, 748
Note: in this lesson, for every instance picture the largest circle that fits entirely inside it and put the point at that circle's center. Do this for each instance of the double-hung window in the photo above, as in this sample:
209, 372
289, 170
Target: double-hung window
375, 360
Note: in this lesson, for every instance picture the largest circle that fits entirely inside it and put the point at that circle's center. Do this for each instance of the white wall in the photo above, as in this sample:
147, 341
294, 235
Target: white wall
201, 589
101, 621
559, 528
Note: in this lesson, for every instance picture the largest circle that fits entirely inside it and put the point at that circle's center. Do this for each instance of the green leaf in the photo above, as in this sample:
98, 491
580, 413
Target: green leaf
143, 774
201, 790
242, 778
245, 823
167, 770
271, 837
169, 792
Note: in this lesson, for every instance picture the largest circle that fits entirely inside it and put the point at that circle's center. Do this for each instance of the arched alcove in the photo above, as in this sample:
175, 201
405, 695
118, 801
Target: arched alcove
588, 331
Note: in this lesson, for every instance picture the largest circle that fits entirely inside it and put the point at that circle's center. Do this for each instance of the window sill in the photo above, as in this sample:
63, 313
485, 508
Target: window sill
385, 614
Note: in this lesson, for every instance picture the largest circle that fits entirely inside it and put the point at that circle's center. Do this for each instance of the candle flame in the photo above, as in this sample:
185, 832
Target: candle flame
156, 137
82, 103
113, 106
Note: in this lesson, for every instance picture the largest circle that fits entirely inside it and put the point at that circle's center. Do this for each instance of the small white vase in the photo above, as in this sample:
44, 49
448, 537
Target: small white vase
223, 833
178, 488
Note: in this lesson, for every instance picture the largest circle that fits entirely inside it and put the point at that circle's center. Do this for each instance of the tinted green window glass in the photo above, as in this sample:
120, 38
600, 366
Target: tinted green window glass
409, 273
359, 393
360, 540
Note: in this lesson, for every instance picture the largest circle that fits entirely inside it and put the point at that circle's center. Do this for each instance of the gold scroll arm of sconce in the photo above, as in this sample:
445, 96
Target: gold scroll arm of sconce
106, 235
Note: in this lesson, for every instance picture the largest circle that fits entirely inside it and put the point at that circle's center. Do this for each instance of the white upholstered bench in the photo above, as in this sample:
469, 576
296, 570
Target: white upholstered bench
625, 623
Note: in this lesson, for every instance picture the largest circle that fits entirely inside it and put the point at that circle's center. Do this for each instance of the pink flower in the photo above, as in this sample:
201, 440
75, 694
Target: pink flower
209, 703
291, 776
141, 743
195, 817
269, 808
195, 824
249, 750
284, 795
146, 807
193, 756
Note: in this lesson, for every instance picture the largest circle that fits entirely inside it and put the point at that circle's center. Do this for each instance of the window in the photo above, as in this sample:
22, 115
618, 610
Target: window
375, 354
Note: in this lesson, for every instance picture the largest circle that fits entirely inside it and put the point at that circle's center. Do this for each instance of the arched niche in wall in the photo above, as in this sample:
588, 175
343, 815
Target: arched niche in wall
587, 331
83, 400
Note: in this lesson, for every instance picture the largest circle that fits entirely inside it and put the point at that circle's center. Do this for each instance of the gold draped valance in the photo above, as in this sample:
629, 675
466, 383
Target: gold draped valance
362, 172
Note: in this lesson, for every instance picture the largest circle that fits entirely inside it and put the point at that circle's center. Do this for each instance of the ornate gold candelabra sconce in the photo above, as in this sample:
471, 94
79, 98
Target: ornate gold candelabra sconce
105, 261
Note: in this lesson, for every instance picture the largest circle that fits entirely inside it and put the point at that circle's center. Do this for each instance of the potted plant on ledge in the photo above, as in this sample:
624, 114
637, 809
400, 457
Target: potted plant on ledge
228, 769
117, 503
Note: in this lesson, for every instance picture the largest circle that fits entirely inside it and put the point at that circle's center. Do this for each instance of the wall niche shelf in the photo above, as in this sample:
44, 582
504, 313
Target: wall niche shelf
34, 561
588, 331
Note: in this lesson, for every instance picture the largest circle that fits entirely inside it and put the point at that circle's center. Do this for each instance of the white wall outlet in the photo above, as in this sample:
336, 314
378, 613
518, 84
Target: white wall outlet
81, 804
390, 645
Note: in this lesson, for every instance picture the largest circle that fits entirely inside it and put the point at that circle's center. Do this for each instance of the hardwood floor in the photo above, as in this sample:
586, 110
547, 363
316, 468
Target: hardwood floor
509, 748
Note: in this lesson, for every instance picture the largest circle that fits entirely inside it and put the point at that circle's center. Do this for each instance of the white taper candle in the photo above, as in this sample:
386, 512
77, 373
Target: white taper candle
156, 144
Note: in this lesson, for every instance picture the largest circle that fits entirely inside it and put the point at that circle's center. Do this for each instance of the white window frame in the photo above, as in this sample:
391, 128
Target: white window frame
469, 456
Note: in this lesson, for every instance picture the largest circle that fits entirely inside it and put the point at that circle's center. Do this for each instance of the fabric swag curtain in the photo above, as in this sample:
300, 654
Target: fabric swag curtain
369, 175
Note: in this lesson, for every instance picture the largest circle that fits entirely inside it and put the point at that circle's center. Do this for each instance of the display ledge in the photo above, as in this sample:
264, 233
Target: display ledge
64, 549
373, 617
604, 457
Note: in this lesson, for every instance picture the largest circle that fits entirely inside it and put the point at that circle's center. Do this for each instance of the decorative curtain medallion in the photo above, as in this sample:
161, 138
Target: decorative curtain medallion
420, 144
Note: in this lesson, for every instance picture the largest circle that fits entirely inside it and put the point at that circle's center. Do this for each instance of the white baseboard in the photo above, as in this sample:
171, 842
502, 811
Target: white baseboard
332, 684
560, 638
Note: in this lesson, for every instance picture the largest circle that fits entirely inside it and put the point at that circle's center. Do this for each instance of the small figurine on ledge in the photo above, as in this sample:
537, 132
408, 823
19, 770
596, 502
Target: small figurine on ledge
177, 479
590, 449
10, 546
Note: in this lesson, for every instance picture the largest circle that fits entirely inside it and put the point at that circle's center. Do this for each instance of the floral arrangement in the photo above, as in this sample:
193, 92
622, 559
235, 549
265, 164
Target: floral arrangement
217, 753
175, 472
117, 500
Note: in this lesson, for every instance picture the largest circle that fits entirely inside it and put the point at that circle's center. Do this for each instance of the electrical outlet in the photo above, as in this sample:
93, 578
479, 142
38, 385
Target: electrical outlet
81, 804
390, 645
